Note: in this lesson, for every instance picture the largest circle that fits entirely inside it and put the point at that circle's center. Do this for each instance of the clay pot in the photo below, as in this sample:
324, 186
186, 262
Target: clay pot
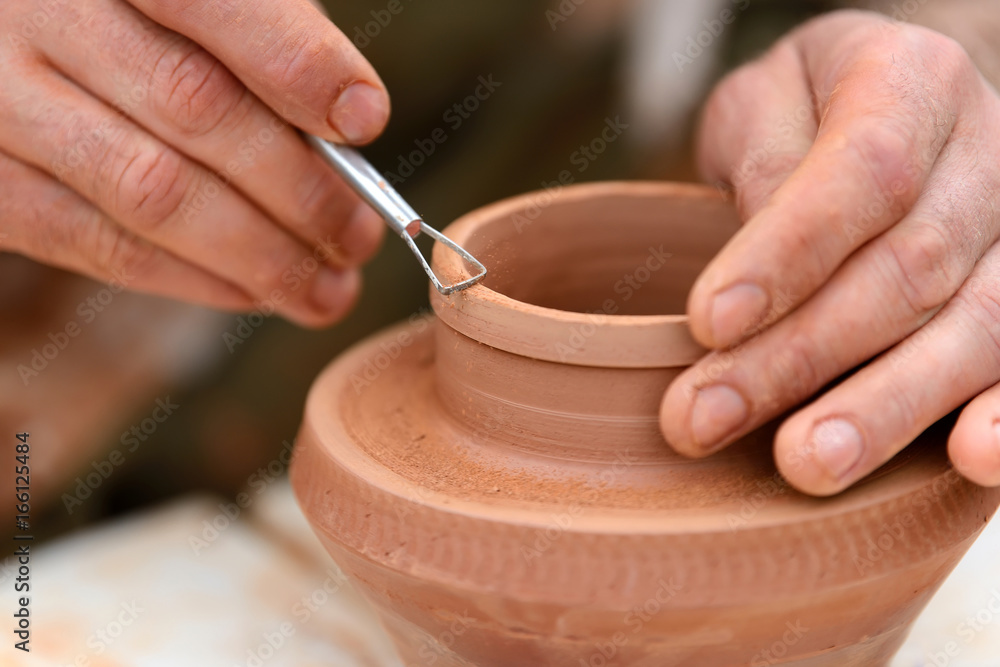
495, 482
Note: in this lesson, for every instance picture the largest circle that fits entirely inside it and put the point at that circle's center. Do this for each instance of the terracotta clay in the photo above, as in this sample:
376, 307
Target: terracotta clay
495, 482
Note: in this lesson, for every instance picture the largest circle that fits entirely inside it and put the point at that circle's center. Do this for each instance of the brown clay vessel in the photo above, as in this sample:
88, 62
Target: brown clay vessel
495, 482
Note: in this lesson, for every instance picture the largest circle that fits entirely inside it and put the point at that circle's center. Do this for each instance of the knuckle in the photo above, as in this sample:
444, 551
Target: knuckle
298, 60
918, 109
756, 179
113, 249
274, 270
980, 300
808, 248
885, 148
198, 94
944, 55
322, 205
59, 229
921, 267
901, 405
136, 52
149, 186
794, 372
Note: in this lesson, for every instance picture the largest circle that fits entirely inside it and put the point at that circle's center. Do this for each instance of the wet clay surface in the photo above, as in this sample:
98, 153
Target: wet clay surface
436, 515
399, 421
505, 462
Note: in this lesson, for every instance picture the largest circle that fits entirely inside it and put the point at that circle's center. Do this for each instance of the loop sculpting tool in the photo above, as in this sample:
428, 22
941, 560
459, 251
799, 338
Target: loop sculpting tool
399, 215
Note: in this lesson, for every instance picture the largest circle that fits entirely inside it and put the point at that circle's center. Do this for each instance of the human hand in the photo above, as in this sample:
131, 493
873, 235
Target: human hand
148, 142
864, 156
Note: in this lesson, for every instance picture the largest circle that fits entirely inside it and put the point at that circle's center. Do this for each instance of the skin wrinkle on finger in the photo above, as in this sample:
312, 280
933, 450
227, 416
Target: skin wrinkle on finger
52, 224
198, 104
285, 44
936, 248
954, 75
116, 185
981, 300
877, 125
896, 154
779, 368
903, 392
776, 369
181, 94
797, 242
749, 201
903, 79
289, 54
916, 268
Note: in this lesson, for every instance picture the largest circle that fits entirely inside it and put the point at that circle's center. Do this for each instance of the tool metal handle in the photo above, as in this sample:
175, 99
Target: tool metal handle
399, 215
370, 184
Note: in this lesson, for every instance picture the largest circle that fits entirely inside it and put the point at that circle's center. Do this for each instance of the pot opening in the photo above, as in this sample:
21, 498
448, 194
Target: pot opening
613, 255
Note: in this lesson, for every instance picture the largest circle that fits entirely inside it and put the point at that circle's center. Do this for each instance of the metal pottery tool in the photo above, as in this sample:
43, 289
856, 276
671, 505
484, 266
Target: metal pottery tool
399, 215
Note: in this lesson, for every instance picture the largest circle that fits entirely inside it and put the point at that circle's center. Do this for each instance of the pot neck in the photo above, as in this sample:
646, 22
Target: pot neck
568, 412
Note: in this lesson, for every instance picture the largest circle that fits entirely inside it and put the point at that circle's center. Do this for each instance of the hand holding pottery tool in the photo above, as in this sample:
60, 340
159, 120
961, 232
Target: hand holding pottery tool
153, 143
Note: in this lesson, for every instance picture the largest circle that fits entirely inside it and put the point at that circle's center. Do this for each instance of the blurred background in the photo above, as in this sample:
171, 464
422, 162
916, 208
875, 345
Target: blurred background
160, 415
154, 400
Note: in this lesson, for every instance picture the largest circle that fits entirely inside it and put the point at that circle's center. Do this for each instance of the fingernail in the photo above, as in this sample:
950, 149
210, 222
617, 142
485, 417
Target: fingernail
735, 311
836, 445
360, 112
718, 411
332, 290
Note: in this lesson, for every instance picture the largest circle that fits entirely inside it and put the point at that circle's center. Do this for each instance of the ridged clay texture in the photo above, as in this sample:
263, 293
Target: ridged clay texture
495, 482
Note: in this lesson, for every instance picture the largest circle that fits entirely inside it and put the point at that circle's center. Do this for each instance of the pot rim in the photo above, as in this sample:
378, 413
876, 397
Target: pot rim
619, 341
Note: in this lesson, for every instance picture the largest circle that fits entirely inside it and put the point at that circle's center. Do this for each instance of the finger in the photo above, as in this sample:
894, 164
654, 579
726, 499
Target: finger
879, 138
974, 445
866, 420
290, 55
184, 96
757, 127
883, 293
164, 198
48, 222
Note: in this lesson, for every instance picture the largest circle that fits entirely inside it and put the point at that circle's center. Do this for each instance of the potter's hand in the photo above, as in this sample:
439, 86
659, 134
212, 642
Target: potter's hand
148, 142
865, 156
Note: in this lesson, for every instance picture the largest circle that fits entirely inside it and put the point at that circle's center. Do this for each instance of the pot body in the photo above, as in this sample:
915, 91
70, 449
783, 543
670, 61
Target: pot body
496, 484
